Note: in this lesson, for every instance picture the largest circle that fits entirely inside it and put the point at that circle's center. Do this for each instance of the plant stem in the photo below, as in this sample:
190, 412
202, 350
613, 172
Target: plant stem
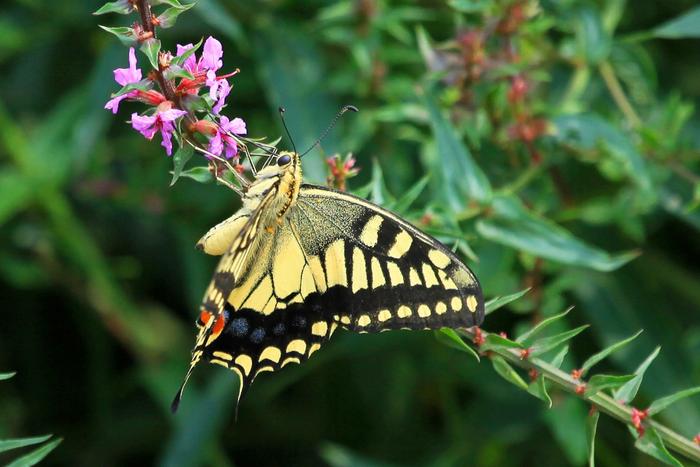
618, 94
601, 401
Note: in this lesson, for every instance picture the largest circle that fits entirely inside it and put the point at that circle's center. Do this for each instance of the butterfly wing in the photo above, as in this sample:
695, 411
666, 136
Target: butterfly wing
338, 260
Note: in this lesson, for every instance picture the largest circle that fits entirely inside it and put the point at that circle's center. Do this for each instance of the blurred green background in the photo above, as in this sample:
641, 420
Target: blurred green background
558, 139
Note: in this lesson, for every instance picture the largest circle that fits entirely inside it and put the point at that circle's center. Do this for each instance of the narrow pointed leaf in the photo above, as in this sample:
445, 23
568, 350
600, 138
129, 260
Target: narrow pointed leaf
151, 48
507, 372
180, 59
496, 342
498, 302
559, 357
380, 193
596, 358
660, 404
168, 18
35, 456
122, 7
591, 429
199, 174
538, 388
628, 392
405, 202
124, 34
686, 25
180, 158
7, 444
451, 339
176, 71
652, 444
527, 337
544, 345
599, 383
460, 179
511, 224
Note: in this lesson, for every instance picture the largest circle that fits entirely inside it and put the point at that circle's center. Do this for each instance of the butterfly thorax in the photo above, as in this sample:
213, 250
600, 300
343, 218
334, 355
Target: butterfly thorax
276, 187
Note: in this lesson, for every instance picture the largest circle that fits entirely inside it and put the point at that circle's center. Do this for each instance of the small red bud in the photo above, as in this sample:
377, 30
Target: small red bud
696, 440
503, 334
525, 353
205, 127
478, 337
638, 417
580, 389
518, 88
592, 410
533, 373
576, 374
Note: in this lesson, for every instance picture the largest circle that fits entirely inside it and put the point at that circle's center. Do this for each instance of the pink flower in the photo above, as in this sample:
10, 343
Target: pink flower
209, 61
162, 121
125, 76
220, 95
222, 141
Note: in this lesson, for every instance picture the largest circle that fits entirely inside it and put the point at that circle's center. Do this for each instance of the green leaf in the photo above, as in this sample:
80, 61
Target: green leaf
199, 174
17, 192
544, 345
460, 179
125, 35
180, 59
507, 372
176, 71
591, 428
685, 26
451, 339
590, 131
151, 48
538, 388
169, 17
660, 404
405, 202
559, 357
35, 456
512, 225
180, 158
143, 85
172, 3
4, 376
652, 444
498, 302
470, 6
627, 392
379, 193
527, 337
496, 342
598, 357
593, 41
7, 444
123, 7
599, 383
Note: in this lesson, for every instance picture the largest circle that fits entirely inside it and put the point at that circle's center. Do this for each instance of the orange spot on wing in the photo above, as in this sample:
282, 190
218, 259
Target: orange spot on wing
204, 318
218, 326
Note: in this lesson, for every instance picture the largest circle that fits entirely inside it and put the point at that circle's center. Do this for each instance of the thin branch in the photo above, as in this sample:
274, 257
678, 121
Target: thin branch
618, 94
603, 402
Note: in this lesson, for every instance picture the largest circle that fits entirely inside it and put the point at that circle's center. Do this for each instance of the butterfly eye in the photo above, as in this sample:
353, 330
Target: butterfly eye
283, 160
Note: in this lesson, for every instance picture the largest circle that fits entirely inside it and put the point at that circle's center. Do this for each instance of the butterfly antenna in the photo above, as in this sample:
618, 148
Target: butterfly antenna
281, 111
330, 127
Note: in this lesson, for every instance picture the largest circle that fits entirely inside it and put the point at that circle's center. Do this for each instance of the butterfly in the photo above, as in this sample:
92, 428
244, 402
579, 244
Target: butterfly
299, 261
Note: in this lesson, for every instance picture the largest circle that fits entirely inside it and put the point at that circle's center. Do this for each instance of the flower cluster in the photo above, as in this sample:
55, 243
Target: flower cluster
177, 105
341, 170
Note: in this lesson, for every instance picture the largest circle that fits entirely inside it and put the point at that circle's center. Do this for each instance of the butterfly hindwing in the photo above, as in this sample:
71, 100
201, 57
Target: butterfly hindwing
380, 272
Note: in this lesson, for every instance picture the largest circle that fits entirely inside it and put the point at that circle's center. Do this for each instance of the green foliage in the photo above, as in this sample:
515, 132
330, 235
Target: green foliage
552, 144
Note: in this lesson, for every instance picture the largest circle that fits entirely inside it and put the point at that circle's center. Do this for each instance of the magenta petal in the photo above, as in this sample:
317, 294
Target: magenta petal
190, 63
167, 134
216, 144
223, 92
236, 126
171, 114
129, 75
211, 56
113, 104
144, 124
231, 147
